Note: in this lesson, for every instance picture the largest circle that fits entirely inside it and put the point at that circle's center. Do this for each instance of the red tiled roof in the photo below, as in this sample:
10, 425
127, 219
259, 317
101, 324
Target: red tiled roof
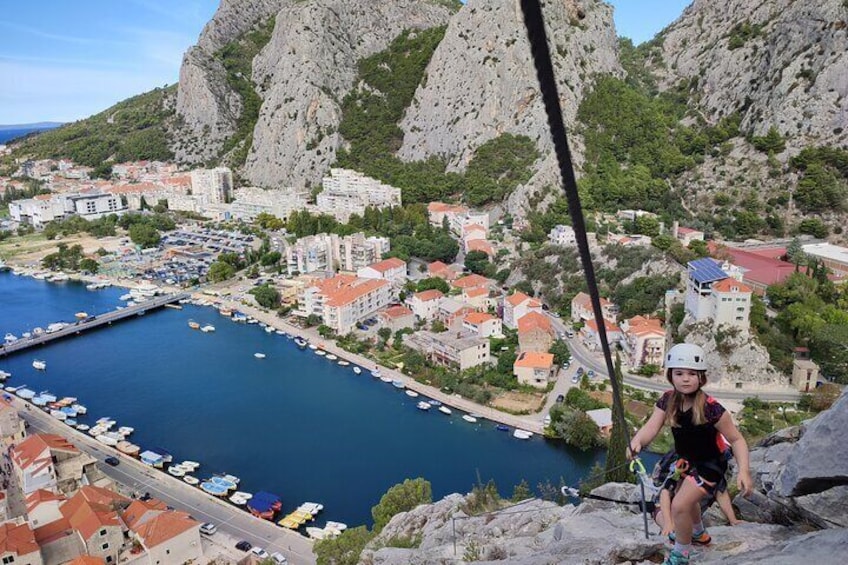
639, 325
593, 325
481, 245
388, 264
137, 510
54, 530
40, 496
535, 360
166, 526
428, 295
19, 540
471, 281
478, 318
396, 312
532, 321
91, 509
353, 292
517, 298
32, 450
475, 292
730, 285
87, 560
584, 300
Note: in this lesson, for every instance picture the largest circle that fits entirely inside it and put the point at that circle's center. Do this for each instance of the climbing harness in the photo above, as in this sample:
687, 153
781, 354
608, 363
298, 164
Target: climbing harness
535, 25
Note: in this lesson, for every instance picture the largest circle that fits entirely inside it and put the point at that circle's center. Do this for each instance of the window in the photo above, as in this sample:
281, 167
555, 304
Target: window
103, 532
104, 546
9, 559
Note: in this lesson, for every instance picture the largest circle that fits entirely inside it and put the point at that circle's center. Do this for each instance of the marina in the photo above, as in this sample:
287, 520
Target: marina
296, 401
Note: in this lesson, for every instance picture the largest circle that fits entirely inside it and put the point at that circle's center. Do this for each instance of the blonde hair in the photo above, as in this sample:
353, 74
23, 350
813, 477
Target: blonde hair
675, 404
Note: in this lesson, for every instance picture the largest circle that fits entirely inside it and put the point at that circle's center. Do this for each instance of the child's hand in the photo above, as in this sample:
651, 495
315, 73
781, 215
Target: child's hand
635, 448
745, 484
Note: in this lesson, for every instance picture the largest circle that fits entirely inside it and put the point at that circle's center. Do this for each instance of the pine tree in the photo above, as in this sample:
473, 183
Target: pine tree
615, 469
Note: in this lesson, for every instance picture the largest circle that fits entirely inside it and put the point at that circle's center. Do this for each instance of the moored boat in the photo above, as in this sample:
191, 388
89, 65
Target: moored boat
320, 352
411, 394
259, 355
522, 434
193, 325
332, 357
343, 363
423, 405
208, 328
469, 418
502, 428
445, 410
176, 471
189, 479
357, 370
39, 365
213, 489
398, 384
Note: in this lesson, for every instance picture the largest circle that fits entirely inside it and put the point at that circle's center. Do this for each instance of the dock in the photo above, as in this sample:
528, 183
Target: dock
92, 322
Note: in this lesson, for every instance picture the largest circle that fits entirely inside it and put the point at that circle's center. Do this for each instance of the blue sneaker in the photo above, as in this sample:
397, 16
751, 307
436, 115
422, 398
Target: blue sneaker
676, 558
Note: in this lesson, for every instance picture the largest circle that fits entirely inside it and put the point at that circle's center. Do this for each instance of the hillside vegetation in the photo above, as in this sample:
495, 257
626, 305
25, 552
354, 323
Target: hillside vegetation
130, 130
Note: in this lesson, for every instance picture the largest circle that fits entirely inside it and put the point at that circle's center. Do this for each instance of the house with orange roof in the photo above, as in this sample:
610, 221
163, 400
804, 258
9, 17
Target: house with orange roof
51, 462
643, 340
534, 368
397, 318
483, 245
441, 270
451, 313
686, 235
714, 292
591, 338
18, 545
472, 281
87, 560
42, 507
12, 429
170, 537
482, 324
392, 270
535, 332
478, 298
344, 300
581, 309
516, 305
451, 349
93, 513
425, 304
438, 211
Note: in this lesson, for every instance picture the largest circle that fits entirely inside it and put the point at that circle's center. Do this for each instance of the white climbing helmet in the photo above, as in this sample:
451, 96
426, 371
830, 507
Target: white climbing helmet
686, 356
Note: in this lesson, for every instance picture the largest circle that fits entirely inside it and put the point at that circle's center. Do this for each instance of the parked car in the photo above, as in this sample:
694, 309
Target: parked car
579, 371
244, 545
591, 373
560, 398
260, 553
575, 379
547, 420
279, 558
208, 528
113, 461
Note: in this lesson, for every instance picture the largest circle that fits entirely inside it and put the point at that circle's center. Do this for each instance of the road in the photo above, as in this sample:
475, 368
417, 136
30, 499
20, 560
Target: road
232, 522
590, 360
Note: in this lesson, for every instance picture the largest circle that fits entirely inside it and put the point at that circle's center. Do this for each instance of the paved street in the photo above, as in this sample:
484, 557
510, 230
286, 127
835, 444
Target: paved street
233, 524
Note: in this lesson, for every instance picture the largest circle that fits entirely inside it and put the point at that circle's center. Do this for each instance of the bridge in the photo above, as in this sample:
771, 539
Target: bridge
92, 322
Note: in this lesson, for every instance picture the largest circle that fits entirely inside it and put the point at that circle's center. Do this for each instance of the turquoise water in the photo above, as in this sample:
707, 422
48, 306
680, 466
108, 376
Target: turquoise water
292, 423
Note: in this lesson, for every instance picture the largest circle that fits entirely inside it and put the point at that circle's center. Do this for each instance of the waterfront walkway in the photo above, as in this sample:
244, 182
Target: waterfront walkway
90, 323
328, 345
233, 523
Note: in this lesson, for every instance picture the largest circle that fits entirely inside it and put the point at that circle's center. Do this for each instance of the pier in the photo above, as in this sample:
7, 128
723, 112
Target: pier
91, 323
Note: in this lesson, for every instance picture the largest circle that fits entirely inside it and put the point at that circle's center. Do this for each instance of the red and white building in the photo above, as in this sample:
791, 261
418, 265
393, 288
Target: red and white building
397, 318
644, 341
425, 304
518, 305
534, 368
593, 340
483, 324
535, 332
343, 300
581, 309
392, 270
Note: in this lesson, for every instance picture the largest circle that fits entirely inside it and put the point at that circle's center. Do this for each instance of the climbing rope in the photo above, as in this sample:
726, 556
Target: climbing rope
535, 25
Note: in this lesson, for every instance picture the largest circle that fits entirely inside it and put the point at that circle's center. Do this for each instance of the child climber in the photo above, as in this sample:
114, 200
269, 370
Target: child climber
696, 420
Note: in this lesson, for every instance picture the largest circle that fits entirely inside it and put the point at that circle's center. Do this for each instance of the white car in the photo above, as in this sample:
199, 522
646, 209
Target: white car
208, 529
279, 558
260, 553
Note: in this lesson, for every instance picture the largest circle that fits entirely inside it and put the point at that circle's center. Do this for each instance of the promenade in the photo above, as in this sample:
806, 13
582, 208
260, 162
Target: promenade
233, 523
452, 400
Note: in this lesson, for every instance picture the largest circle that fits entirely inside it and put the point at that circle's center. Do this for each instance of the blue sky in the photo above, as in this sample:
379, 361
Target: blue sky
63, 60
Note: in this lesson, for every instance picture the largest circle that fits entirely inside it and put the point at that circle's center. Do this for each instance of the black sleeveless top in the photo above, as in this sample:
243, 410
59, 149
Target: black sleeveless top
697, 443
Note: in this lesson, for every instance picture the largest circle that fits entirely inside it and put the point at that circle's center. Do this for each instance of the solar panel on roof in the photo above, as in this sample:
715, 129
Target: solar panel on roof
706, 270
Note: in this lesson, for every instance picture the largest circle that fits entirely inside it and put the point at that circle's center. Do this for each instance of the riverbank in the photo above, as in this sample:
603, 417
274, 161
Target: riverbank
451, 400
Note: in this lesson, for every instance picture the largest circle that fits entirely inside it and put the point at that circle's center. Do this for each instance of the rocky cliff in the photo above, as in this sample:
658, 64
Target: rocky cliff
798, 513
301, 75
779, 63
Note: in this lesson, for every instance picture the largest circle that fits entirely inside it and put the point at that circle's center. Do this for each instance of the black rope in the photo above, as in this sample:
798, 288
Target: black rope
535, 24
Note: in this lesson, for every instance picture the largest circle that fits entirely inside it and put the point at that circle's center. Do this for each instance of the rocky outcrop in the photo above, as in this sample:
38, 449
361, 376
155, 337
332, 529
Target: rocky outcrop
481, 82
302, 75
779, 63
598, 532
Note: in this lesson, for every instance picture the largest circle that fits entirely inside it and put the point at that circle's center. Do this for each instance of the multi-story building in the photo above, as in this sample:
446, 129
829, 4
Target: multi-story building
482, 324
397, 318
731, 303
425, 304
251, 201
342, 301
49, 461
711, 294
12, 429
644, 341
592, 338
581, 309
347, 192
167, 536
18, 545
517, 305
562, 235
440, 270
834, 257
535, 332
805, 371
95, 205
310, 254
451, 349
212, 186
45, 208
534, 368
331, 252
392, 270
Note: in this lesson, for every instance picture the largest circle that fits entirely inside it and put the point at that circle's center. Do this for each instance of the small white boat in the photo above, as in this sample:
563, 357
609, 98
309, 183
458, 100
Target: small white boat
469, 418
445, 410
82, 427
423, 405
190, 465
59, 415
522, 434
386, 379
207, 328
39, 365
176, 471
259, 355
320, 533
313, 347
191, 480
4, 375
411, 394
125, 430
357, 370
269, 330
310, 508
343, 363
237, 500
335, 526
107, 440
231, 478
79, 408
280, 332
376, 373
331, 357
320, 352
242, 494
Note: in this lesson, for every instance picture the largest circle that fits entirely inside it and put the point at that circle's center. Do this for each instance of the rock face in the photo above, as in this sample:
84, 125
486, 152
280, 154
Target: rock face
481, 83
302, 74
780, 63
596, 532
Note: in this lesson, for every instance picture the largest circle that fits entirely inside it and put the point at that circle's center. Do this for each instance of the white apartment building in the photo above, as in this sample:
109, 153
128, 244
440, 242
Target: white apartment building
251, 201
330, 252
516, 306
45, 208
37, 211
94, 206
731, 303
482, 324
644, 341
425, 304
347, 192
562, 235
212, 185
392, 270
343, 300
712, 294
455, 350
